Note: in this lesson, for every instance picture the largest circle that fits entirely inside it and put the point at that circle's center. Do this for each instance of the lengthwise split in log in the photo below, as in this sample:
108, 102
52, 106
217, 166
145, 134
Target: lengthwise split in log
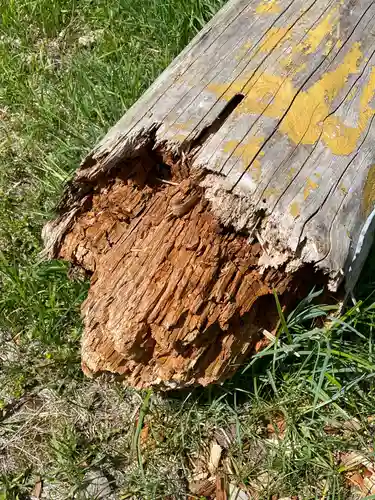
247, 168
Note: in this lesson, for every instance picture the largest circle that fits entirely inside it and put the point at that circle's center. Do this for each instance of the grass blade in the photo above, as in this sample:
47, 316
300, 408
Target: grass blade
285, 328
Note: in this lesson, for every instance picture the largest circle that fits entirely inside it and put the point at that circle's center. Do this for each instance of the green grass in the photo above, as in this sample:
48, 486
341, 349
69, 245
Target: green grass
58, 96
68, 71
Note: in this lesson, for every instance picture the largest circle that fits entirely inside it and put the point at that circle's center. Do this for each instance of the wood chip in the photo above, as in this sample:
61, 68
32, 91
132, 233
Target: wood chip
221, 490
204, 488
38, 488
215, 456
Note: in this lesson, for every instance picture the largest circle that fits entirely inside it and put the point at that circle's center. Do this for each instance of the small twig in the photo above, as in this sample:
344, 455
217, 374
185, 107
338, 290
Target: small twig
167, 182
12, 188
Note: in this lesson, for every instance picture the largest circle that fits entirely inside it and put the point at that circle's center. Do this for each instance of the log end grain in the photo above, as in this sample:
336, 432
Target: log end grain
176, 298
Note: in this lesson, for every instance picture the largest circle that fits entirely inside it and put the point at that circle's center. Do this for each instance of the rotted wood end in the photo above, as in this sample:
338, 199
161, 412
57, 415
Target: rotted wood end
246, 169
176, 298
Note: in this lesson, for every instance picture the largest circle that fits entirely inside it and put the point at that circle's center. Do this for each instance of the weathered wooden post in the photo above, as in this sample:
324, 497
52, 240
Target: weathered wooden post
246, 168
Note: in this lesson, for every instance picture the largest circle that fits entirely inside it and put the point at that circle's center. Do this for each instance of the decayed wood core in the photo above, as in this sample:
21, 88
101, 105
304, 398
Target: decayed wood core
273, 103
175, 299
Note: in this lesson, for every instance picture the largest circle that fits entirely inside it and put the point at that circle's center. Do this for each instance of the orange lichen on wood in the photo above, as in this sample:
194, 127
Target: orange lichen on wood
175, 298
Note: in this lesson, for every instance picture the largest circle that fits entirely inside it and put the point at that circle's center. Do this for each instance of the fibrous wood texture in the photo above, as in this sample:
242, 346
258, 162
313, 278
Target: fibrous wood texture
246, 168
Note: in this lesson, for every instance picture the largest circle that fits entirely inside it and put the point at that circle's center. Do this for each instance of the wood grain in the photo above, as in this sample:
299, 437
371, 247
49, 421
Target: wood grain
272, 108
175, 299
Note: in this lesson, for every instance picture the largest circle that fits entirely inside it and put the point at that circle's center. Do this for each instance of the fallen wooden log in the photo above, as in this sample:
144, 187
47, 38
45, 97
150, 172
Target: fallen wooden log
247, 168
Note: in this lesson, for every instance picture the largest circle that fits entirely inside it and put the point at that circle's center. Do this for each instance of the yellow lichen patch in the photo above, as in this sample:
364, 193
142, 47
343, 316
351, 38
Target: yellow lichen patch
309, 187
268, 7
181, 130
248, 152
269, 91
273, 38
367, 96
343, 139
230, 146
241, 52
316, 35
270, 193
300, 68
305, 119
313, 39
328, 47
369, 192
179, 138
256, 169
307, 111
343, 189
295, 209
352, 93
182, 125
291, 173
339, 44
286, 62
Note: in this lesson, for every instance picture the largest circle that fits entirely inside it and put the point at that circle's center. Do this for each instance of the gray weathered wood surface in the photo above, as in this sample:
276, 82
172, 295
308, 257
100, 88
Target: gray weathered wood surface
292, 164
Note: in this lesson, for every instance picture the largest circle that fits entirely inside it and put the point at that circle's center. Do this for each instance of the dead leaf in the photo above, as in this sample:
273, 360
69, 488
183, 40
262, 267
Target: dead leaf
347, 426
199, 476
215, 456
260, 484
356, 479
362, 484
277, 426
198, 465
359, 473
352, 425
97, 485
354, 460
17, 339
144, 434
227, 466
203, 466
367, 473
369, 486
